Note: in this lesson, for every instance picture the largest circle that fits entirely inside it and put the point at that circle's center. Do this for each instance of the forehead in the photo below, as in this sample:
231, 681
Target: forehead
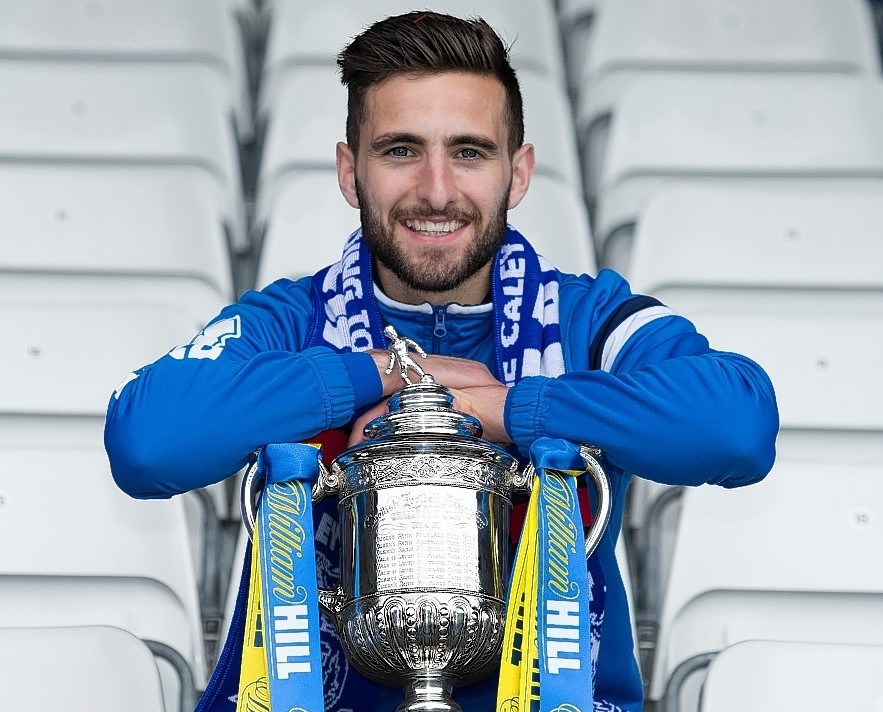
436, 106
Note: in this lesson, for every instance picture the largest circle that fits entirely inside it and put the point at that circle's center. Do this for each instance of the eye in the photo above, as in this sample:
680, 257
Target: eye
469, 154
399, 152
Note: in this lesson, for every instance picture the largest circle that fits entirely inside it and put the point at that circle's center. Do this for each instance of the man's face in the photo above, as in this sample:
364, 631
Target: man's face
433, 181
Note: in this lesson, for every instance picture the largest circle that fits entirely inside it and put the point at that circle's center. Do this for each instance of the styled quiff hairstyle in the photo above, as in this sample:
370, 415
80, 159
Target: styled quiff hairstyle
426, 43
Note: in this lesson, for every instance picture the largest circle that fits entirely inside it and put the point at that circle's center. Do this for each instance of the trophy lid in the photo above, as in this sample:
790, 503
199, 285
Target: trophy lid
424, 407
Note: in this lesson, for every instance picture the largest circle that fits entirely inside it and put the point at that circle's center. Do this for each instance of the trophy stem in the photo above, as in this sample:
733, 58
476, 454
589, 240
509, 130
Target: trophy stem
430, 692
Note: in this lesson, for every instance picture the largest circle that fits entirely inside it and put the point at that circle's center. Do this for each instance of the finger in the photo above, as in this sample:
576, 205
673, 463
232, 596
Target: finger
357, 434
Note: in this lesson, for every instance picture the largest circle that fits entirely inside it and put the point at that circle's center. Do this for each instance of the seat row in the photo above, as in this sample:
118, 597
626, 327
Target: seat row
124, 160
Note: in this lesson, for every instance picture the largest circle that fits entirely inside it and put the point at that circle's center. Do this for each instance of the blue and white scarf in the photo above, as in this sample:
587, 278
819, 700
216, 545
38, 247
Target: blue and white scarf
524, 289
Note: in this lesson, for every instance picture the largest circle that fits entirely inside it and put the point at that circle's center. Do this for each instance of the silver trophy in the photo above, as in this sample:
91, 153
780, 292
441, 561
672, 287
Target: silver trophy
424, 515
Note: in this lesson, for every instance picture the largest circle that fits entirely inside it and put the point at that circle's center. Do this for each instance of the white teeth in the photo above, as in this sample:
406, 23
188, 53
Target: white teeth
434, 228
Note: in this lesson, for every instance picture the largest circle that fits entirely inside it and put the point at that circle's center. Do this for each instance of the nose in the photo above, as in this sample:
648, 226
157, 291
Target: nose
436, 184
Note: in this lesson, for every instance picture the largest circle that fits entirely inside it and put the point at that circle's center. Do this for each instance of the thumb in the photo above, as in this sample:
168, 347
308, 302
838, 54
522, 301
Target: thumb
357, 435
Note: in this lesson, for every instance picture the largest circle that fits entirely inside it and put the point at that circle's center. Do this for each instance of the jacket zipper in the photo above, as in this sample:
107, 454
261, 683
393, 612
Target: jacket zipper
439, 330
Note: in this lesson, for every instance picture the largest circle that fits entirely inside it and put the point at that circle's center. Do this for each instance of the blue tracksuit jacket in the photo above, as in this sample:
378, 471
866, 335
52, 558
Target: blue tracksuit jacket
641, 384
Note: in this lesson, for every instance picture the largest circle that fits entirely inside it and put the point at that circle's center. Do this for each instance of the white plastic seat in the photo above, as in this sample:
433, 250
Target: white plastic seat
304, 120
553, 216
63, 668
577, 19
302, 225
631, 39
136, 221
89, 555
821, 348
747, 127
769, 676
67, 358
306, 116
747, 235
67, 352
121, 114
315, 34
811, 36
790, 558
169, 33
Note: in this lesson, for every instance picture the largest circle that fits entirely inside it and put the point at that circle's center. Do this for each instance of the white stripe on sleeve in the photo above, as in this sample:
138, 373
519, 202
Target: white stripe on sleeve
622, 333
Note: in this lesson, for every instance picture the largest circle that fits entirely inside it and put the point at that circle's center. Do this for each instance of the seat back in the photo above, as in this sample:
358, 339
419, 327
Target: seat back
120, 114
96, 668
767, 562
736, 127
814, 235
94, 221
767, 676
166, 32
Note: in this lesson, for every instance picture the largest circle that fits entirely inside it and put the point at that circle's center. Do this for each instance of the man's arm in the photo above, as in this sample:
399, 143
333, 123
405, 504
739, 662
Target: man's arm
686, 420
195, 415
661, 404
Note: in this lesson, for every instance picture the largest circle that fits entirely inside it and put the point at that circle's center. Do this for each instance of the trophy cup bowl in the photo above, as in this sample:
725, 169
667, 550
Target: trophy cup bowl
424, 513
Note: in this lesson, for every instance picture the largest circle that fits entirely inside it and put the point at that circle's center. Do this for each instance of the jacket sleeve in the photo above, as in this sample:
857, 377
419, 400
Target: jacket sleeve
194, 416
667, 408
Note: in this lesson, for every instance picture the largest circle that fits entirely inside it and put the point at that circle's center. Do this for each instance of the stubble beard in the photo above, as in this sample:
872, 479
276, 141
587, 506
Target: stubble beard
435, 270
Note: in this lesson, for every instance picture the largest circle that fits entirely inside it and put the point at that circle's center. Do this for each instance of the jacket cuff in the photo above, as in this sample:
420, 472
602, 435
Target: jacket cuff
363, 375
524, 412
338, 391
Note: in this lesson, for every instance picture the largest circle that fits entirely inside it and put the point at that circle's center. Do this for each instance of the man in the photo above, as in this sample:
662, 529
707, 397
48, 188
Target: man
434, 158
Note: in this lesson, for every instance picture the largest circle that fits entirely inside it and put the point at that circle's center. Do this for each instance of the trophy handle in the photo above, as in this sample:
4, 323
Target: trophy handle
524, 481
602, 487
330, 602
250, 490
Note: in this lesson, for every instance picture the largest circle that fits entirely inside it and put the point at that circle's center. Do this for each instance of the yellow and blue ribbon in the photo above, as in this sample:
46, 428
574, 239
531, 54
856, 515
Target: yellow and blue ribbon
547, 649
281, 657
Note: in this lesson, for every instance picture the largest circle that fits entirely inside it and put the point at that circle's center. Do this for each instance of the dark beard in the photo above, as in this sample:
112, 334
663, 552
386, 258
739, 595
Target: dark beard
433, 272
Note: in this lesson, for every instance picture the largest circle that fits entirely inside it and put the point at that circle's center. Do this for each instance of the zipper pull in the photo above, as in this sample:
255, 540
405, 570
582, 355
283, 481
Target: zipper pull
440, 329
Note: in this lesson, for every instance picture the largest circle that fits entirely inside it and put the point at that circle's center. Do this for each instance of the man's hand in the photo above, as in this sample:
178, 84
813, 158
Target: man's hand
447, 370
475, 390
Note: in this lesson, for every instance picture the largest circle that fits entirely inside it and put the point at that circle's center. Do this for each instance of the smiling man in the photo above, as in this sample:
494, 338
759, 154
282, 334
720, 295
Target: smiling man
434, 159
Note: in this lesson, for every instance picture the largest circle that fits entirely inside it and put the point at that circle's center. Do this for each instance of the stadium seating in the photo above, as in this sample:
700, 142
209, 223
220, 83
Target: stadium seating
138, 222
301, 225
167, 32
92, 669
554, 217
633, 38
315, 34
122, 114
816, 234
745, 127
768, 562
94, 556
68, 349
768, 676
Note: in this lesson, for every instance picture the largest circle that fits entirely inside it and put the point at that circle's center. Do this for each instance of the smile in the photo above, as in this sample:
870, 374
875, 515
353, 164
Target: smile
431, 228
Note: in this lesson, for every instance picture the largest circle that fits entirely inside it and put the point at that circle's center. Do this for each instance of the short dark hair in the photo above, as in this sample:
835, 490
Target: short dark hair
427, 43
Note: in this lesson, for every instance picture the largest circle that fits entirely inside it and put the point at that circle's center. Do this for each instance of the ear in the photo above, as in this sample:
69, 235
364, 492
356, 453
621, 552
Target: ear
523, 163
346, 174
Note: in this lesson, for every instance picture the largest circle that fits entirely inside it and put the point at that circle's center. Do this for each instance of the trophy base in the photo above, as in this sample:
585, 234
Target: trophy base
429, 693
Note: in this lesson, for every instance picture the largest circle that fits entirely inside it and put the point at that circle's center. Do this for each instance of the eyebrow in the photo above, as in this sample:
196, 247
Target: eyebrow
481, 142
385, 141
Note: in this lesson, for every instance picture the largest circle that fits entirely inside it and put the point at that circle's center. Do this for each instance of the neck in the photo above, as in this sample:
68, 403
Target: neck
472, 290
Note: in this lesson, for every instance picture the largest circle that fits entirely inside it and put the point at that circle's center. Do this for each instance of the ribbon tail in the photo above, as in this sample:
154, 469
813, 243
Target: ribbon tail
289, 599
